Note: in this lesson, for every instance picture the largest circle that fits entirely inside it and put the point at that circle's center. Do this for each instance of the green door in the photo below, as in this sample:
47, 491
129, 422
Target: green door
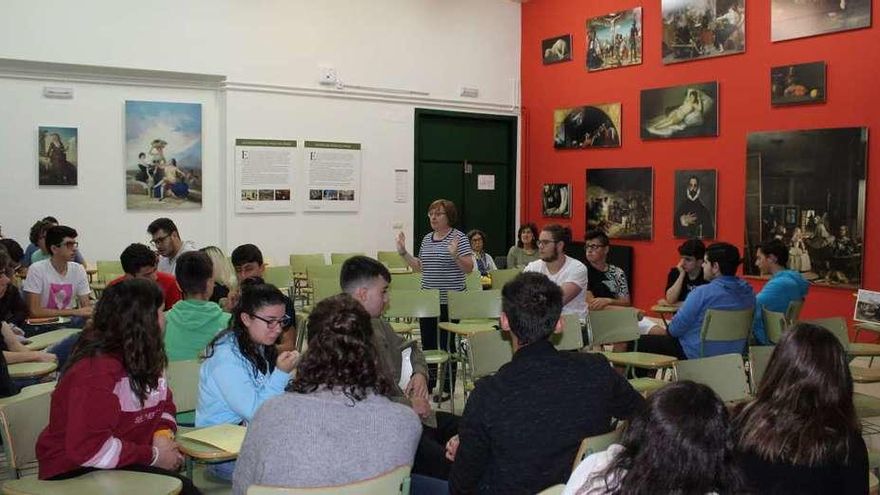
469, 159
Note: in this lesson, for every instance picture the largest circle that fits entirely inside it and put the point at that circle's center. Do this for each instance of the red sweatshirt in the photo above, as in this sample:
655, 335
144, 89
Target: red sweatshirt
97, 421
166, 282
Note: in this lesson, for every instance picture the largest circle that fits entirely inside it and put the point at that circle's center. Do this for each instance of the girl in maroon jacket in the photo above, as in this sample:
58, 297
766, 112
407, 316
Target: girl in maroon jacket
112, 408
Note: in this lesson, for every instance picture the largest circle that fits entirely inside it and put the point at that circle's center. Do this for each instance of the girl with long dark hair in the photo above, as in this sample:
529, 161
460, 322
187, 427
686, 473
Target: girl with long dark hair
679, 443
242, 367
112, 408
335, 424
526, 248
801, 434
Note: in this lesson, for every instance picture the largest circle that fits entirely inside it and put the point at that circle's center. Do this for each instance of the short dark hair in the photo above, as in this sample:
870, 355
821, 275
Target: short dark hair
193, 270
55, 236
448, 208
532, 303
137, 256
51, 219
597, 234
359, 270
246, 253
163, 223
14, 250
38, 229
142, 155
775, 247
726, 255
692, 247
559, 233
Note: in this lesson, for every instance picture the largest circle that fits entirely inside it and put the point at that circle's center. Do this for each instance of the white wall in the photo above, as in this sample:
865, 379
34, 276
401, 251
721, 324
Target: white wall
434, 46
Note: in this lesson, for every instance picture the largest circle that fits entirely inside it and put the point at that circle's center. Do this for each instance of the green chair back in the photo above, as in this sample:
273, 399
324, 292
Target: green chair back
613, 325
391, 259
572, 337
183, 379
774, 324
474, 305
339, 258
106, 268
406, 281
22, 418
501, 277
837, 326
473, 281
322, 288
725, 374
300, 262
279, 276
413, 303
324, 271
721, 325
596, 443
394, 482
489, 351
793, 312
759, 358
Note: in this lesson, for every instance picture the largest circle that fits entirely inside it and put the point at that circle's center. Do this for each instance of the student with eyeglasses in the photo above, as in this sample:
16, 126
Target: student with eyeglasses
242, 367
166, 239
58, 286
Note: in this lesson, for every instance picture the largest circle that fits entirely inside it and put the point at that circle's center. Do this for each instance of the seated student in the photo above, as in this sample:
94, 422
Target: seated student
247, 260
679, 443
566, 272
367, 281
687, 275
523, 425
112, 408
224, 273
606, 283
58, 286
139, 261
724, 291
783, 287
242, 367
13, 310
13, 249
36, 250
194, 322
526, 248
801, 433
336, 424
166, 238
483, 261
10, 343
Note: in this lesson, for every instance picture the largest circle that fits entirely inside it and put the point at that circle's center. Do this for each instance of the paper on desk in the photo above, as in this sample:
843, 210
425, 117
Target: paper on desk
225, 437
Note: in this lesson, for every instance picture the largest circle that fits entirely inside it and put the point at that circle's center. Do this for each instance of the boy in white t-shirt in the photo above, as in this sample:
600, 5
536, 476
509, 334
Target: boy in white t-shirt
58, 286
566, 272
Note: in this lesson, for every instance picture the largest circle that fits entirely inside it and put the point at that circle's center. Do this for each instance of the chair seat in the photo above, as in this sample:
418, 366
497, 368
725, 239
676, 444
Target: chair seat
400, 327
44, 340
640, 359
433, 356
31, 370
97, 483
465, 329
865, 375
866, 405
860, 349
646, 385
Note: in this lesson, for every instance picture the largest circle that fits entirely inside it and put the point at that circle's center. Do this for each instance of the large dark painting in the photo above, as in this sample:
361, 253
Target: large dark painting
808, 189
695, 200
620, 202
790, 19
593, 126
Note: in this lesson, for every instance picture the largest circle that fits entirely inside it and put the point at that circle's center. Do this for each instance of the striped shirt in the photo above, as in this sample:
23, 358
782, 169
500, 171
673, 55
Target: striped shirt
439, 270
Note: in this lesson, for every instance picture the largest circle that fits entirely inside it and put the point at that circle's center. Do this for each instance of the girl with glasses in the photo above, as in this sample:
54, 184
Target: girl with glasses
242, 367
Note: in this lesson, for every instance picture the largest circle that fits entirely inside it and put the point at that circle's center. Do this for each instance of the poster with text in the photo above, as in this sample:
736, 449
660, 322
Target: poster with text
333, 176
264, 175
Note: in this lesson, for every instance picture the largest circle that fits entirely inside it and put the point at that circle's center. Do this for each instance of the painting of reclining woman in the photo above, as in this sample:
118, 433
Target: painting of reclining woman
163, 167
680, 111
592, 126
807, 188
695, 29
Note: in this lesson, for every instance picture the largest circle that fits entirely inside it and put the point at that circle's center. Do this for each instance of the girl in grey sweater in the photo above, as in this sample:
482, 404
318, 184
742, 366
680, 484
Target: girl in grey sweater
335, 424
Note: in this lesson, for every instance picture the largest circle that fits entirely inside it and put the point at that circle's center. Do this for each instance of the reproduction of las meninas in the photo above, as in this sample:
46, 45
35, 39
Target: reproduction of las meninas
163, 155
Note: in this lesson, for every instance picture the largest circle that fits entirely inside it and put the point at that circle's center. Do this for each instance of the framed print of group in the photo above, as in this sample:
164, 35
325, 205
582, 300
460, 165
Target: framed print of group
695, 29
620, 202
614, 40
592, 126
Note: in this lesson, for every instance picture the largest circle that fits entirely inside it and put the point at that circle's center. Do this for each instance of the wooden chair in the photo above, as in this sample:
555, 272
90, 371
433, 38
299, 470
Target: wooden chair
406, 281
572, 336
107, 482
610, 326
720, 325
394, 482
725, 374
774, 324
339, 258
488, 352
596, 443
183, 379
22, 418
391, 259
501, 277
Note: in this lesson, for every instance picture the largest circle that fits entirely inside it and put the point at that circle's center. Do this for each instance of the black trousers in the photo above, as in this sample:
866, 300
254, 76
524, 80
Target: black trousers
428, 329
659, 344
431, 453
188, 487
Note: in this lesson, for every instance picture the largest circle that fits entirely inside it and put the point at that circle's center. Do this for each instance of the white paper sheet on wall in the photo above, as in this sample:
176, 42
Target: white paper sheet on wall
485, 182
401, 185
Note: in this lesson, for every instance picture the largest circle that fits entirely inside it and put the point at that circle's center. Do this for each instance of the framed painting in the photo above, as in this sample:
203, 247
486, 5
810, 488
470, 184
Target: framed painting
57, 162
556, 50
690, 110
620, 202
797, 84
614, 40
792, 19
696, 202
591, 126
697, 29
556, 200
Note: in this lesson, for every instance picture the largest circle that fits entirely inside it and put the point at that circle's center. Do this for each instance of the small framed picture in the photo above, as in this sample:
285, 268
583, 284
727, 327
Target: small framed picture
867, 307
556, 50
797, 84
556, 200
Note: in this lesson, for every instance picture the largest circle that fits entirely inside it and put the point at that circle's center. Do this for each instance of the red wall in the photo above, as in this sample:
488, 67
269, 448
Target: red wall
853, 81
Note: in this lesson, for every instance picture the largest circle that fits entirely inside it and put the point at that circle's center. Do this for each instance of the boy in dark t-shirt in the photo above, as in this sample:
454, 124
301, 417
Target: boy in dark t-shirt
687, 274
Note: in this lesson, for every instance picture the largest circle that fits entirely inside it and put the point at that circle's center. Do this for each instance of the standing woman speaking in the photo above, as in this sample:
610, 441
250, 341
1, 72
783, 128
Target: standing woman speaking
445, 258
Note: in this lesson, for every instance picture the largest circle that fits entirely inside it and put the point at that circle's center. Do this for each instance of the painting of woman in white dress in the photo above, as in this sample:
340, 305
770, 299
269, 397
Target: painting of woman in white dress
681, 111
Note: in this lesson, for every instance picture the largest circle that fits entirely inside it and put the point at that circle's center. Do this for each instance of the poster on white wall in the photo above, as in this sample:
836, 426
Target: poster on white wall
333, 172
264, 175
